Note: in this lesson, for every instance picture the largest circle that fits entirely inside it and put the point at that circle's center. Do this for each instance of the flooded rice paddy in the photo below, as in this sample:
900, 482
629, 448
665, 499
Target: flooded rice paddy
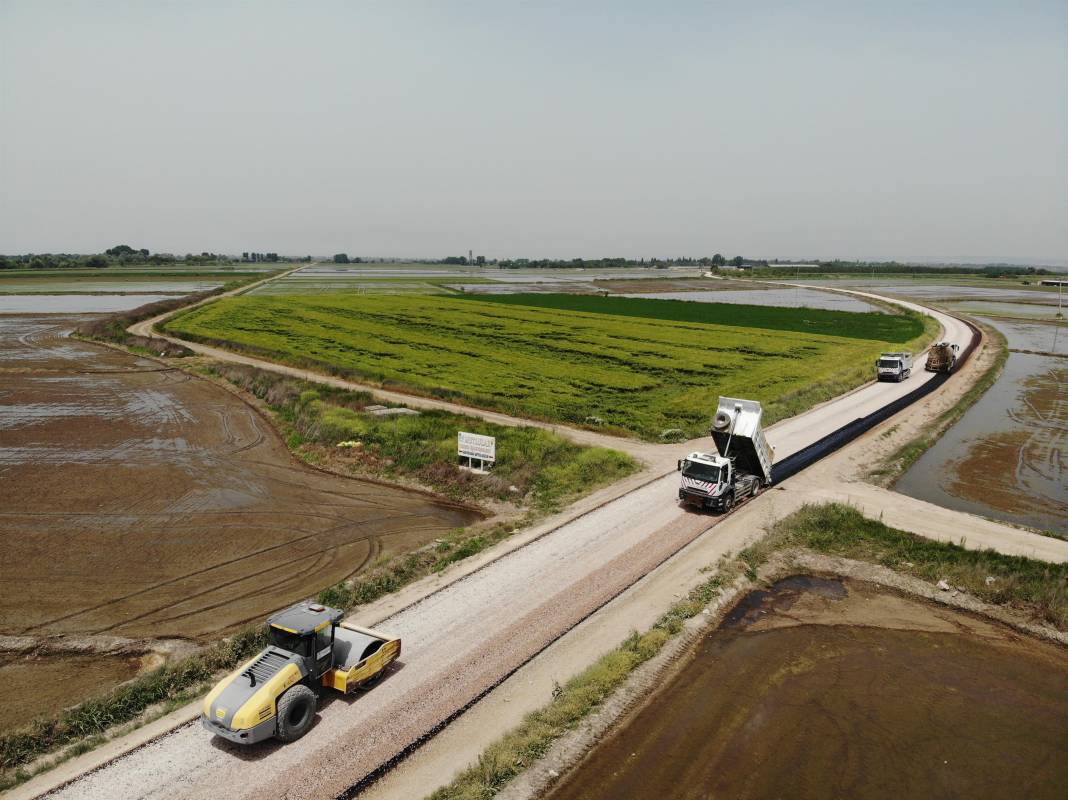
1007, 457
140, 502
73, 303
788, 298
60, 286
826, 688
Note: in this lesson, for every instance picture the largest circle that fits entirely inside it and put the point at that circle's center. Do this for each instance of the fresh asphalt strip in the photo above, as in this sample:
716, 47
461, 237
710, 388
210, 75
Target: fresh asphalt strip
835, 440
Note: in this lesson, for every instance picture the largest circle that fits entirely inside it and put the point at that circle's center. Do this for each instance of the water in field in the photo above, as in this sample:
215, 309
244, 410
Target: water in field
74, 303
60, 286
321, 285
1009, 309
1007, 457
942, 290
840, 689
789, 298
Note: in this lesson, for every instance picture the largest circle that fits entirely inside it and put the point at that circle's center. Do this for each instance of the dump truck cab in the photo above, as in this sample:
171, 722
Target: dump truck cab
276, 693
894, 366
739, 469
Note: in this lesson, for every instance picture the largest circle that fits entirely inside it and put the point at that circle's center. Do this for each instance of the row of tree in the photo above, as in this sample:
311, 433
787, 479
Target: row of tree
897, 268
123, 255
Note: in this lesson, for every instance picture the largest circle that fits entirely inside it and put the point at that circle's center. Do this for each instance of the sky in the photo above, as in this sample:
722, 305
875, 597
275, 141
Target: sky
909, 131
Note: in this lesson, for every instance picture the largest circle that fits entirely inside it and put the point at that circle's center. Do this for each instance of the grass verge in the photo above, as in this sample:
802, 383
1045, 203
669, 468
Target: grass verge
535, 468
1036, 588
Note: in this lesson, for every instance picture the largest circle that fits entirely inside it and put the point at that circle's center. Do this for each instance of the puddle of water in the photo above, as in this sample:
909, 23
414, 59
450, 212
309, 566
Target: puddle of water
74, 303
781, 597
1007, 457
833, 704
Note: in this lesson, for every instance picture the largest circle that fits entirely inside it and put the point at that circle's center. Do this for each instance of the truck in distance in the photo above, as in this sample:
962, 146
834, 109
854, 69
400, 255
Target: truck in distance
942, 357
894, 366
276, 693
739, 469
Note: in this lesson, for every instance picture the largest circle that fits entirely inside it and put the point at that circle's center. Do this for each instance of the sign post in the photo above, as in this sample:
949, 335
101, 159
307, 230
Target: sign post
472, 447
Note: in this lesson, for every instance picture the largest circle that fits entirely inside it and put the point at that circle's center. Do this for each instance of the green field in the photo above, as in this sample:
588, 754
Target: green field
638, 370
883, 327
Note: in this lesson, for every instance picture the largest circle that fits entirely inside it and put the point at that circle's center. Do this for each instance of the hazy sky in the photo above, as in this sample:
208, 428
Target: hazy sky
922, 131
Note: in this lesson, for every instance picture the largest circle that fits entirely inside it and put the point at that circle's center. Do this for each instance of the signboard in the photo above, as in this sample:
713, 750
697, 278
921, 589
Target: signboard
475, 447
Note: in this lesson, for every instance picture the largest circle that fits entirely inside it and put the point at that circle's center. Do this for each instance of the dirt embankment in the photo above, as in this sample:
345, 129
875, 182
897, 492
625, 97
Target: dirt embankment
142, 503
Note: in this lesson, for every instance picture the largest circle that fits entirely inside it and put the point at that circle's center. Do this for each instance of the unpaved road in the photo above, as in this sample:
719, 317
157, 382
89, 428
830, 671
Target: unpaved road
461, 640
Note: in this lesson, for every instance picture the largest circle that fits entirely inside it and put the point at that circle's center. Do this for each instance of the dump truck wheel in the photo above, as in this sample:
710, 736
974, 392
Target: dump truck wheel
296, 710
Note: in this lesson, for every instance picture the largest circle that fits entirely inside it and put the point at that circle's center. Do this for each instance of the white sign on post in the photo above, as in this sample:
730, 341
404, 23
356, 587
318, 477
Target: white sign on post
476, 447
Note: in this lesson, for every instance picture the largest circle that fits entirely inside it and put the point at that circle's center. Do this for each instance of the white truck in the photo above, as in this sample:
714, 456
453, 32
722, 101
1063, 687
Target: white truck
894, 366
739, 469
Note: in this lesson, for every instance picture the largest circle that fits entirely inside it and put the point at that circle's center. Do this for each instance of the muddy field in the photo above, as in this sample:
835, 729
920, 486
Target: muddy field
827, 688
136, 501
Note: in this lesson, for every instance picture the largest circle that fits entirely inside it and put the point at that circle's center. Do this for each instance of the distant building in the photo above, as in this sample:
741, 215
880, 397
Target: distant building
1050, 282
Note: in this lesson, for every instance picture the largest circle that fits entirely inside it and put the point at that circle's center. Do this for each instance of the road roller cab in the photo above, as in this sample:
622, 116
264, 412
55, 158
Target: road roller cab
276, 693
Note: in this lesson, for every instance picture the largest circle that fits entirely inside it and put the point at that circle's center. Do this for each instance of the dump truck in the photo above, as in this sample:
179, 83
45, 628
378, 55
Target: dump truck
276, 694
893, 366
739, 469
942, 357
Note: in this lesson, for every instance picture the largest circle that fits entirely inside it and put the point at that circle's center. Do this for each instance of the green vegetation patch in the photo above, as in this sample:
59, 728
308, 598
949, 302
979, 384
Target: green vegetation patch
624, 374
871, 326
535, 467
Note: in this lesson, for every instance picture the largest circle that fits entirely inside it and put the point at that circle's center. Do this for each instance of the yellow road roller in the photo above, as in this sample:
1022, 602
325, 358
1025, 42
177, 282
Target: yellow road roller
277, 693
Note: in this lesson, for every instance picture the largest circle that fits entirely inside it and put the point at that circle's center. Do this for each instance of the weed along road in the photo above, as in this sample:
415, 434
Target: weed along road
465, 638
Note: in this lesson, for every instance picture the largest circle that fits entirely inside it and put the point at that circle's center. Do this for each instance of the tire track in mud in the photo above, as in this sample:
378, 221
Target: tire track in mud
222, 473
202, 572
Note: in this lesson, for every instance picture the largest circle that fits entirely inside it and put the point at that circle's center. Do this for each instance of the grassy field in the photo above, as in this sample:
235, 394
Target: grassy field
645, 373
